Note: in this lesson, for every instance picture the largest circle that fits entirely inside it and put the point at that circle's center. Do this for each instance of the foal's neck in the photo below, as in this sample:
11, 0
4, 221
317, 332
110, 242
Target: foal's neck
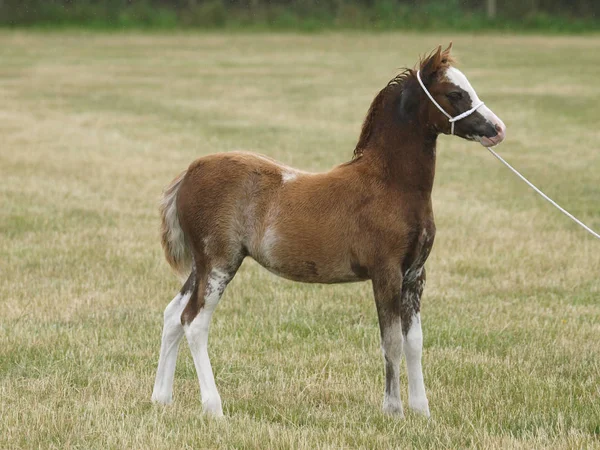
406, 156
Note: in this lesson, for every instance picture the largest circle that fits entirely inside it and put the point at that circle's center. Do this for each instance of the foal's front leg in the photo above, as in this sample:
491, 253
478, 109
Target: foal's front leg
398, 302
387, 288
413, 341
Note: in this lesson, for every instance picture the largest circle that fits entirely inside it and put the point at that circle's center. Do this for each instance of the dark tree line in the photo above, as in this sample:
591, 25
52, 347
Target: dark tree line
386, 13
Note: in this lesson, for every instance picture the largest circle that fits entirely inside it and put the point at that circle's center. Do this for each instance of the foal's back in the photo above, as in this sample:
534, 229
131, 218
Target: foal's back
324, 227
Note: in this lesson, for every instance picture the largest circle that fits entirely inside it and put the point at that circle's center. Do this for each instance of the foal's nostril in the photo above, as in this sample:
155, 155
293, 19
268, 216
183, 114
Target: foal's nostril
498, 128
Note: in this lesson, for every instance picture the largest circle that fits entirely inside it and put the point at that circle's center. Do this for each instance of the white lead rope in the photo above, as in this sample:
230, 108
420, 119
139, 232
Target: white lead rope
544, 196
515, 171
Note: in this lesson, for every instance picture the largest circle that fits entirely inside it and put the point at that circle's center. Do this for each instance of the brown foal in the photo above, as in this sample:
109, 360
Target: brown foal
368, 219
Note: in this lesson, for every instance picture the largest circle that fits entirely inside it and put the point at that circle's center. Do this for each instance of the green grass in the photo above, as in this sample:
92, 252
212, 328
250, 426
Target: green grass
93, 127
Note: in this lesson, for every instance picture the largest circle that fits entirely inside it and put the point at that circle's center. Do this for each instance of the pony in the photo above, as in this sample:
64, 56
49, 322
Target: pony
369, 218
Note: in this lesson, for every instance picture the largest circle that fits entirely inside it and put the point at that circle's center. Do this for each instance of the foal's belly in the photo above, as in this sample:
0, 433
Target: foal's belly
308, 260
310, 272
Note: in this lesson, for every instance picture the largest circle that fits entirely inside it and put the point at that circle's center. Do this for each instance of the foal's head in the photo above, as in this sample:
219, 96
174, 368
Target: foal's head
453, 108
455, 96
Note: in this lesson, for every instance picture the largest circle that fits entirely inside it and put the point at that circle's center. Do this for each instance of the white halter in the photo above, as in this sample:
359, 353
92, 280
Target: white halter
516, 172
450, 118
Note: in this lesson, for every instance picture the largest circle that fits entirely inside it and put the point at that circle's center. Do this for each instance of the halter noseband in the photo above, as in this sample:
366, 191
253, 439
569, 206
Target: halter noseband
450, 118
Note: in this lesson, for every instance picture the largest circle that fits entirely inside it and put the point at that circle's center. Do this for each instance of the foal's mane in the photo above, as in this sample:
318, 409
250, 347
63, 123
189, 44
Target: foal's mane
395, 83
430, 64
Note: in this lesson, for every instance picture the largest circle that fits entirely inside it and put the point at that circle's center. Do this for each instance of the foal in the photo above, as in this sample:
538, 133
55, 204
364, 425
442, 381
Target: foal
368, 219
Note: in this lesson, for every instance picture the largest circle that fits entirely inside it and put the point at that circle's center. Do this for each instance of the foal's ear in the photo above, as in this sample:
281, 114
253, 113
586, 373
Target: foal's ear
446, 58
431, 64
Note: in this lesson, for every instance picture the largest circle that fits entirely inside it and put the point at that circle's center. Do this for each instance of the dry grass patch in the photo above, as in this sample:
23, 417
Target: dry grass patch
93, 126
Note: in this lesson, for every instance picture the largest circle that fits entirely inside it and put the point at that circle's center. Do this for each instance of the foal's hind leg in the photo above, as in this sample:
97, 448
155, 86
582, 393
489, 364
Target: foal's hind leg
196, 318
171, 336
413, 341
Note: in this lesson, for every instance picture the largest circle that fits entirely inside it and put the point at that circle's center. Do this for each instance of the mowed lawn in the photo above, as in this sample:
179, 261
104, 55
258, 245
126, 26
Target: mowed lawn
93, 126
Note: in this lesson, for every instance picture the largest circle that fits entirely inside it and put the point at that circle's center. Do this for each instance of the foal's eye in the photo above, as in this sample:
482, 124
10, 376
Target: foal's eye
455, 95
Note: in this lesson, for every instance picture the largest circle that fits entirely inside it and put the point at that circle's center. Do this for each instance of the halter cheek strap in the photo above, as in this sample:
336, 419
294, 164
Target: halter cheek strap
450, 118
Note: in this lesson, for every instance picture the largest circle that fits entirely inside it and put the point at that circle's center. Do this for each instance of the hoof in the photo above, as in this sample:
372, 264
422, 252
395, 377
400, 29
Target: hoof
420, 406
392, 408
161, 399
212, 408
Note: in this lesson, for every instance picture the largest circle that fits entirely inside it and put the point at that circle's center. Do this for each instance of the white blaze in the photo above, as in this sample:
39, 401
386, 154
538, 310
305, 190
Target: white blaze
459, 79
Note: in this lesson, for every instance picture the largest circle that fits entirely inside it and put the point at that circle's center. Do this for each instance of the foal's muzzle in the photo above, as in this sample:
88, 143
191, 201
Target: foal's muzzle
494, 140
487, 139
499, 129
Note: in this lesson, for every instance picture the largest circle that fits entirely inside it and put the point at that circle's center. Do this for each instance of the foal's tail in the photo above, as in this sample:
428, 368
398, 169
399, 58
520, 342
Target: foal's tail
174, 243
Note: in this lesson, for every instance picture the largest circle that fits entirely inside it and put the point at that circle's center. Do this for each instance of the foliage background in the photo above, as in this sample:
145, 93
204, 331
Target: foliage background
535, 15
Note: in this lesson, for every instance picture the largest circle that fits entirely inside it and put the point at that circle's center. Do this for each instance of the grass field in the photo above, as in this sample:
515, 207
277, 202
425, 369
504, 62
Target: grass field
93, 126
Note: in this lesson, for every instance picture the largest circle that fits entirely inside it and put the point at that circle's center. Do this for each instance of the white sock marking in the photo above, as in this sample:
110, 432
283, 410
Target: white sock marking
413, 350
197, 335
171, 336
391, 346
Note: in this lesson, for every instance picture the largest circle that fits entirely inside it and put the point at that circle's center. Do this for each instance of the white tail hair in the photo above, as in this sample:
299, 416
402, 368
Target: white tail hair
177, 251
